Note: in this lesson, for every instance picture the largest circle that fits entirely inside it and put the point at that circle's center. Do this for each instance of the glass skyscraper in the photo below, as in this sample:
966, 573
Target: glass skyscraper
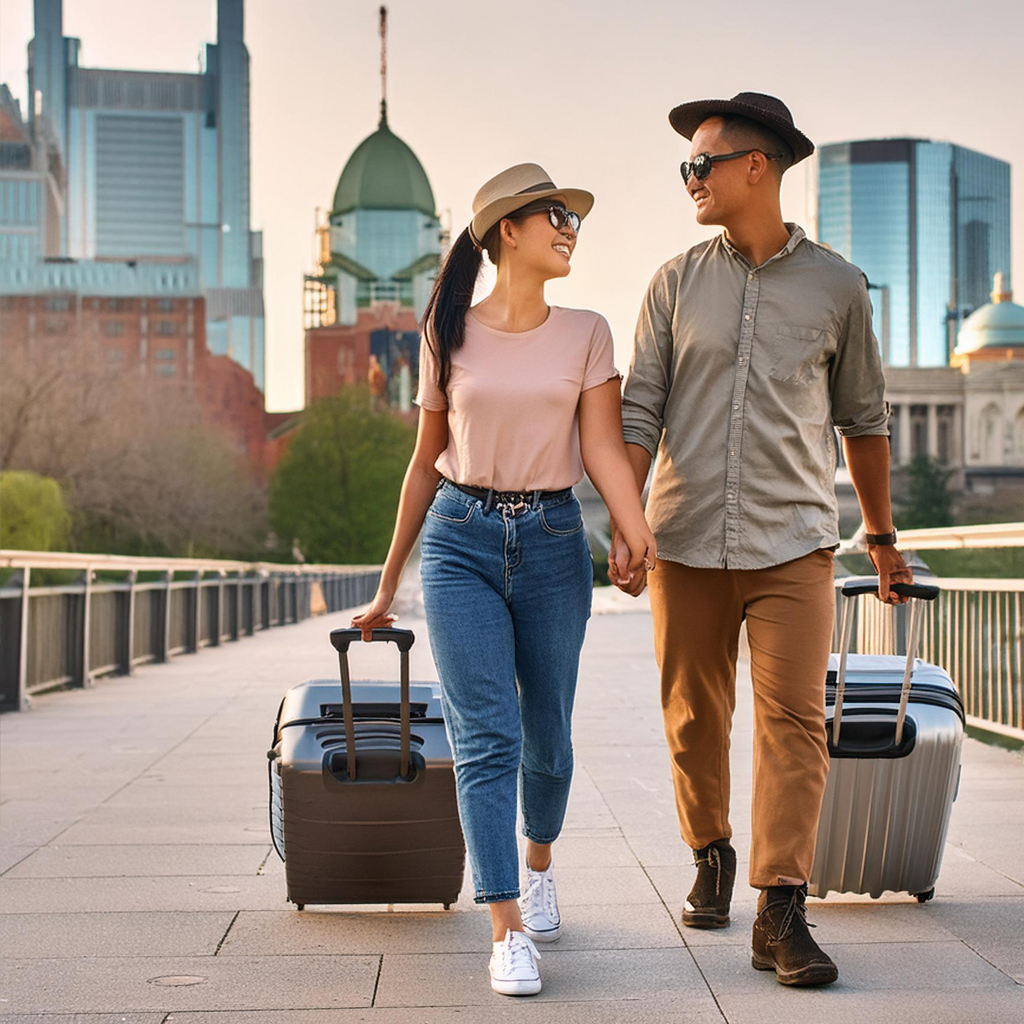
157, 168
928, 223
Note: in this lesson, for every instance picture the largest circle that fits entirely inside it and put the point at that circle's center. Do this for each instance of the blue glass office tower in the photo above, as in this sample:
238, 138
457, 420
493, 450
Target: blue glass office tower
158, 168
929, 223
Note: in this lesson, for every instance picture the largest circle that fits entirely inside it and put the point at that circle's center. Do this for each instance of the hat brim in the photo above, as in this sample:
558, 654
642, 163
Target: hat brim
576, 199
688, 117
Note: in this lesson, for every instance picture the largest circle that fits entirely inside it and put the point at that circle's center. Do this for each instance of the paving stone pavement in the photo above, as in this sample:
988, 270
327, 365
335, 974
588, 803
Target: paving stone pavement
139, 885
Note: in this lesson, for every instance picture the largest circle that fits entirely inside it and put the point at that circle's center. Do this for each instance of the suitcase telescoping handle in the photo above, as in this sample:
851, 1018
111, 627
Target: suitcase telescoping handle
341, 639
852, 588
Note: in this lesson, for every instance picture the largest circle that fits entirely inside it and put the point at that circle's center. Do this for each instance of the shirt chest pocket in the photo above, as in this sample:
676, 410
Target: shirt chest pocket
799, 354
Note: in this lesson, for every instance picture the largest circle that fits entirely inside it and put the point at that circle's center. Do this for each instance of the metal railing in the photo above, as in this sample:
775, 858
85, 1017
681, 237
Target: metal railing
68, 634
974, 630
951, 538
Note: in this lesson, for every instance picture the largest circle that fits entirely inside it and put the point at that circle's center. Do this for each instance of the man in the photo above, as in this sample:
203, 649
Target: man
749, 349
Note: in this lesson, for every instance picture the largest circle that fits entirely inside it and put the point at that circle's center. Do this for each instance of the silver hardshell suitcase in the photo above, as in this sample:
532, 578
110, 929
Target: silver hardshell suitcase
895, 733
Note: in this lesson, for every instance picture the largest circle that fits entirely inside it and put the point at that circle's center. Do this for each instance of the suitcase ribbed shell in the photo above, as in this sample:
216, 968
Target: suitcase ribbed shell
884, 820
380, 838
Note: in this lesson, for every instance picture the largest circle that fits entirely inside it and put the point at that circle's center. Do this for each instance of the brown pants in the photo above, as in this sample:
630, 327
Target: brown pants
789, 610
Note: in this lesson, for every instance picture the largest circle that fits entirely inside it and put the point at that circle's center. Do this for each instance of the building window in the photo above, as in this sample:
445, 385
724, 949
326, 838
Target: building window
166, 369
166, 353
168, 328
945, 415
165, 305
56, 325
117, 305
918, 431
113, 328
58, 303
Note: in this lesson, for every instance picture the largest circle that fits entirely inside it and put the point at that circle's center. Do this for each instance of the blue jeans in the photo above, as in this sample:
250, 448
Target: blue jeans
507, 600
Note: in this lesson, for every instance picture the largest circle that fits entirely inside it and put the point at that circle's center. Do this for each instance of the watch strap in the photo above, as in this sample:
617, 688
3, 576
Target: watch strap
881, 539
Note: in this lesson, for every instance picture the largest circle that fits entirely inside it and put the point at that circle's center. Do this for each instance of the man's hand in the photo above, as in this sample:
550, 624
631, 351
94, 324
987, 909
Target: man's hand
619, 557
891, 568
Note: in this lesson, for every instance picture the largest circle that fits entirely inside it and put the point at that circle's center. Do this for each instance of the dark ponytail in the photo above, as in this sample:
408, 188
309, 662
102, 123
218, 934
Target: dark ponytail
451, 296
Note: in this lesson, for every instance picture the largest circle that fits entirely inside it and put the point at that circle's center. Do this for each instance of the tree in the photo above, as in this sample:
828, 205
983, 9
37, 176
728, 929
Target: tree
928, 502
336, 489
33, 516
141, 472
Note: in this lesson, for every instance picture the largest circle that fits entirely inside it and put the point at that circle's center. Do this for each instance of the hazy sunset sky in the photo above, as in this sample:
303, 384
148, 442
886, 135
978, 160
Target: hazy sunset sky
583, 88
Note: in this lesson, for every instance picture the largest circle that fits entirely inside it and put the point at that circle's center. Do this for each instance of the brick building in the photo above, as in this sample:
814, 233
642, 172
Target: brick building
145, 316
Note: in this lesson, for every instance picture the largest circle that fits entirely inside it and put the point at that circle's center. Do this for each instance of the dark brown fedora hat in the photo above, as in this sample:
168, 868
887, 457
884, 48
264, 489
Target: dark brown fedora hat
766, 110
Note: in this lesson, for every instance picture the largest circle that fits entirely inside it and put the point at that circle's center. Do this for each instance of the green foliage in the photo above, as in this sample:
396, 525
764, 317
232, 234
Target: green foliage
336, 489
33, 516
977, 563
928, 502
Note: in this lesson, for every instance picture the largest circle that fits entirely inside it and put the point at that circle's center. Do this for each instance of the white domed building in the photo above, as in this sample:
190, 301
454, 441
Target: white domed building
990, 355
969, 415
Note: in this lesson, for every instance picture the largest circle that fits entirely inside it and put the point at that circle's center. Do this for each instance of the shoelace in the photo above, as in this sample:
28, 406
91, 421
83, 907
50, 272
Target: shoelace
795, 907
713, 854
539, 891
517, 950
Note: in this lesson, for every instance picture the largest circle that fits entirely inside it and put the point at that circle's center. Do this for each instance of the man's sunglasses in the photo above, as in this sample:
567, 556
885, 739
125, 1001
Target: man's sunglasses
558, 215
703, 163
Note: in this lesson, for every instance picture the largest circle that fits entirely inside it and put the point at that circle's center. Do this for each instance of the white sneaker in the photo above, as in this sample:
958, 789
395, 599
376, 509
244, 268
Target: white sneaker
513, 966
539, 906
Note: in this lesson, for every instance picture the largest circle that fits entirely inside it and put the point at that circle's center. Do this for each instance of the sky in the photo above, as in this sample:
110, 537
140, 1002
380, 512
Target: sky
582, 87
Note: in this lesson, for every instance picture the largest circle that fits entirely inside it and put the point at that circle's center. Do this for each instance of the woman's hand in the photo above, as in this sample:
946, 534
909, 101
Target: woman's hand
376, 615
631, 557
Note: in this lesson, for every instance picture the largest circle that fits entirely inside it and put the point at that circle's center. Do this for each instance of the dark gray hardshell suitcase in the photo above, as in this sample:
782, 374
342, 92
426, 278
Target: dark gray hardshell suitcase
895, 733
382, 825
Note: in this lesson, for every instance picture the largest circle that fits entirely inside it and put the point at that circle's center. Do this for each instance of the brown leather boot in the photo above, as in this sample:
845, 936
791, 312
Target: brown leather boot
707, 906
781, 940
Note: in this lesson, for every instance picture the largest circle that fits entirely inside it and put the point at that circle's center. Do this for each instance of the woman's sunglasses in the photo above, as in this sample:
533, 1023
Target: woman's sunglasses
703, 163
558, 215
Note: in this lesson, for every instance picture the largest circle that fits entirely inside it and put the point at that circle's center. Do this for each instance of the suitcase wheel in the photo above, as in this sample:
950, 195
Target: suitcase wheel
302, 906
924, 897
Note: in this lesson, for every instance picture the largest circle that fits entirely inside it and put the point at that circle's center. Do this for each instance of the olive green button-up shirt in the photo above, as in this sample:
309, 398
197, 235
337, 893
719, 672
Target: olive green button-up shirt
738, 376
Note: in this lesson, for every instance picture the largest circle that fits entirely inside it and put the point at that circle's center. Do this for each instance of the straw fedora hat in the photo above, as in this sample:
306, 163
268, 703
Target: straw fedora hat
513, 188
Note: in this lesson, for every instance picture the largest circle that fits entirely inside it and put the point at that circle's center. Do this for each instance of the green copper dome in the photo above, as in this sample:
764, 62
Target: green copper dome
383, 174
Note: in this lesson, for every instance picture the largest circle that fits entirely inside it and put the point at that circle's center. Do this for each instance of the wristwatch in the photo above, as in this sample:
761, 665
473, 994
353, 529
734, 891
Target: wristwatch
881, 539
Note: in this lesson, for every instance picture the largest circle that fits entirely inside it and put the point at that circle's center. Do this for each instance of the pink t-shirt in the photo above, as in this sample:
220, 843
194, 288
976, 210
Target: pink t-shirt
513, 400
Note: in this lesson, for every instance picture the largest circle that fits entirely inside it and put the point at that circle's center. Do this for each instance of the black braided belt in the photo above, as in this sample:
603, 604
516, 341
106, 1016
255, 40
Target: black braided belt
512, 500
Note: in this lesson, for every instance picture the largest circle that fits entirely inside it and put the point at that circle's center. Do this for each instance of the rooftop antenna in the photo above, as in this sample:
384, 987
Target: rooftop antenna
383, 66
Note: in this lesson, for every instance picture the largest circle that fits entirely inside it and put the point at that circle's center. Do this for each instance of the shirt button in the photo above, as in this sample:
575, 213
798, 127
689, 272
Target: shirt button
735, 406
751, 275
746, 316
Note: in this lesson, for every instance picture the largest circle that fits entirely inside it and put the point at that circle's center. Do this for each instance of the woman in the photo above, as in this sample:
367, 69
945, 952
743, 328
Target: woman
517, 398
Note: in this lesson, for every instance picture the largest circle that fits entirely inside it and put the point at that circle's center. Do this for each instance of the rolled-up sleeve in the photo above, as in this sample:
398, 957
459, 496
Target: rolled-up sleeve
600, 366
428, 394
856, 382
650, 369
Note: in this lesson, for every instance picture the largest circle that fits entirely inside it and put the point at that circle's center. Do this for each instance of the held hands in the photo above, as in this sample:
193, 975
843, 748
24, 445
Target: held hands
376, 615
891, 568
630, 559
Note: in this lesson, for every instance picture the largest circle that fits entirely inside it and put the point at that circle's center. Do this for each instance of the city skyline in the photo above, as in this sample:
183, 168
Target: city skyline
929, 224
538, 97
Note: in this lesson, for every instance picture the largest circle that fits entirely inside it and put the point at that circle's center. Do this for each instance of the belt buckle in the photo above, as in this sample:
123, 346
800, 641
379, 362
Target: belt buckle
511, 502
